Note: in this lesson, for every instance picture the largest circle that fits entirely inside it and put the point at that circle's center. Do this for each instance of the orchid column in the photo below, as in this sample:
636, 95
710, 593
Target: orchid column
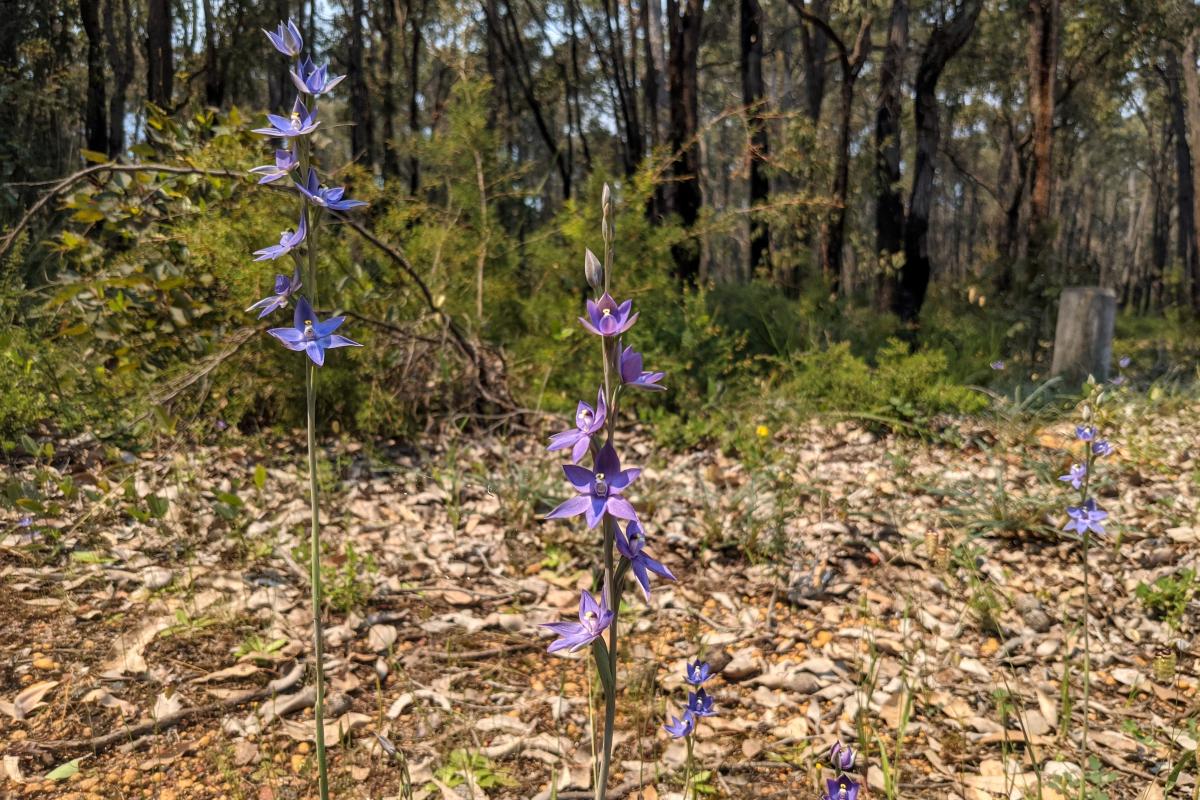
294, 169
600, 490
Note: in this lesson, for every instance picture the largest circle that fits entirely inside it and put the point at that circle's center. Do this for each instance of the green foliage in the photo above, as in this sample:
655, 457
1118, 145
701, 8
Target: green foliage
1167, 598
474, 769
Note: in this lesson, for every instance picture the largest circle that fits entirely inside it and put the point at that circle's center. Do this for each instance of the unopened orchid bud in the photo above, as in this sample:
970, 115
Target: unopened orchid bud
607, 226
593, 270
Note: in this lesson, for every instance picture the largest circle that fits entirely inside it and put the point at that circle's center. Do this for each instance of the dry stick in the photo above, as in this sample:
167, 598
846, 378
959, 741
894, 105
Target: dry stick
127, 732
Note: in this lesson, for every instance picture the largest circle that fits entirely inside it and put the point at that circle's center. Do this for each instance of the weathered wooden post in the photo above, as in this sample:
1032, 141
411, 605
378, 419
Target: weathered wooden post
1083, 338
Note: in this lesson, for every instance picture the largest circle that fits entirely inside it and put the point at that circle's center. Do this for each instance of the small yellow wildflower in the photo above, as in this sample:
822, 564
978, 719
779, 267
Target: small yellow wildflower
763, 431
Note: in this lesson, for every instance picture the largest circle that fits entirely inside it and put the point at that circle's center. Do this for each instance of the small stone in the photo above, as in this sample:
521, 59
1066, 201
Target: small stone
45, 663
298, 763
822, 638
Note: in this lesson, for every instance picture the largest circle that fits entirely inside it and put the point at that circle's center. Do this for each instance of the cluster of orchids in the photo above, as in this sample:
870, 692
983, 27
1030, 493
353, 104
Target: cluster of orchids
294, 170
1087, 518
841, 786
699, 704
600, 491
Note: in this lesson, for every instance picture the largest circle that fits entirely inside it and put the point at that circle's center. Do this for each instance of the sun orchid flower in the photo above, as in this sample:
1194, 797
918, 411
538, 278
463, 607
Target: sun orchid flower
682, 726
287, 40
326, 197
301, 122
285, 162
314, 80
594, 619
1075, 476
700, 704
698, 672
841, 756
997, 365
1087, 517
288, 240
841, 788
1085, 433
629, 544
599, 490
285, 287
1102, 447
633, 375
606, 318
588, 422
310, 334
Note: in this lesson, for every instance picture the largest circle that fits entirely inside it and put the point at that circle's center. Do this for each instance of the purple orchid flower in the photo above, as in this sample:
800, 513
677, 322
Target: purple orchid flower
841, 756
1075, 475
1087, 517
288, 240
25, 521
1085, 433
588, 422
630, 546
285, 162
1124, 361
841, 788
698, 672
1117, 381
599, 491
606, 318
997, 365
632, 374
1102, 447
287, 40
285, 287
310, 334
326, 197
682, 726
700, 704
594, 619
314, 80
301, 122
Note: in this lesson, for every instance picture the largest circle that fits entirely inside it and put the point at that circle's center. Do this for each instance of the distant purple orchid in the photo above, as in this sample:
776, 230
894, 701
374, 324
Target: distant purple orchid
301, 122
285, 162
841, 756
1085, 433
287, 40
698, 672
629, 544
311, 335
25, 521
633, 375
594, 619
288, 241
588, 422
1087, 517
841, 788
1124, 361
998, 366
606, 318
599, 491
314, 80
700, 704
1102, 447
285, 287
326, 197
1075, 476
681, 727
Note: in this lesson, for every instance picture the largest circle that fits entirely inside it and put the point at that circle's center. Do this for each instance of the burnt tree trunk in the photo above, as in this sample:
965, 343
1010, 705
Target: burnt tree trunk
119, 33
751, 18
214, 77
684, 197
945, 40
362, 135
417, 22
1043, 64
96, 115
160, 59
815, 46
387, 105
889, 206
1185, 187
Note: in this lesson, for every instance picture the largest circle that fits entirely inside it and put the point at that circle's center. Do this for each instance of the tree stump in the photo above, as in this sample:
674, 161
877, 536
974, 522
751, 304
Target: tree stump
1083, 338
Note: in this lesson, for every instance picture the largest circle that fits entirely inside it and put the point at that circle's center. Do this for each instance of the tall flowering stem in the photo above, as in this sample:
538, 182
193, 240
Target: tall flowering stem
600, 490
308, 333
1086, 519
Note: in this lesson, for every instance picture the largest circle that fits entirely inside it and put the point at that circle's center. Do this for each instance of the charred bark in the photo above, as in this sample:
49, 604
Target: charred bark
684, 21
753, 92
889, 207
160, 59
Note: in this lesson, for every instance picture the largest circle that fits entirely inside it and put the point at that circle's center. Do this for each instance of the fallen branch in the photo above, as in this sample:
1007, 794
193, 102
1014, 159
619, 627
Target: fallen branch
99, 744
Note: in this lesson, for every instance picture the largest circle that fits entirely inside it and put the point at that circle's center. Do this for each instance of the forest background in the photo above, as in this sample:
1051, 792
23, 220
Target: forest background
824, 206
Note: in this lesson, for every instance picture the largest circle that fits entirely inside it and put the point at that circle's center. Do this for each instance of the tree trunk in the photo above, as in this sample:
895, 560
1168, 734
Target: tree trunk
1185, 192
816, 47
387, 103
945, 40
1192, 100
1043, 17
889, 207
214, 78
752, 95
414, 92
279, 85
1083, 337
96, 119
362, 135
160, 60
684, 197
120, 60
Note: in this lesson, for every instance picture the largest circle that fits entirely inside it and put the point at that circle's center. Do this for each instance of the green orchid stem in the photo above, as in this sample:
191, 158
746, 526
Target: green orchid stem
1087, 649
687, 774
304, 147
